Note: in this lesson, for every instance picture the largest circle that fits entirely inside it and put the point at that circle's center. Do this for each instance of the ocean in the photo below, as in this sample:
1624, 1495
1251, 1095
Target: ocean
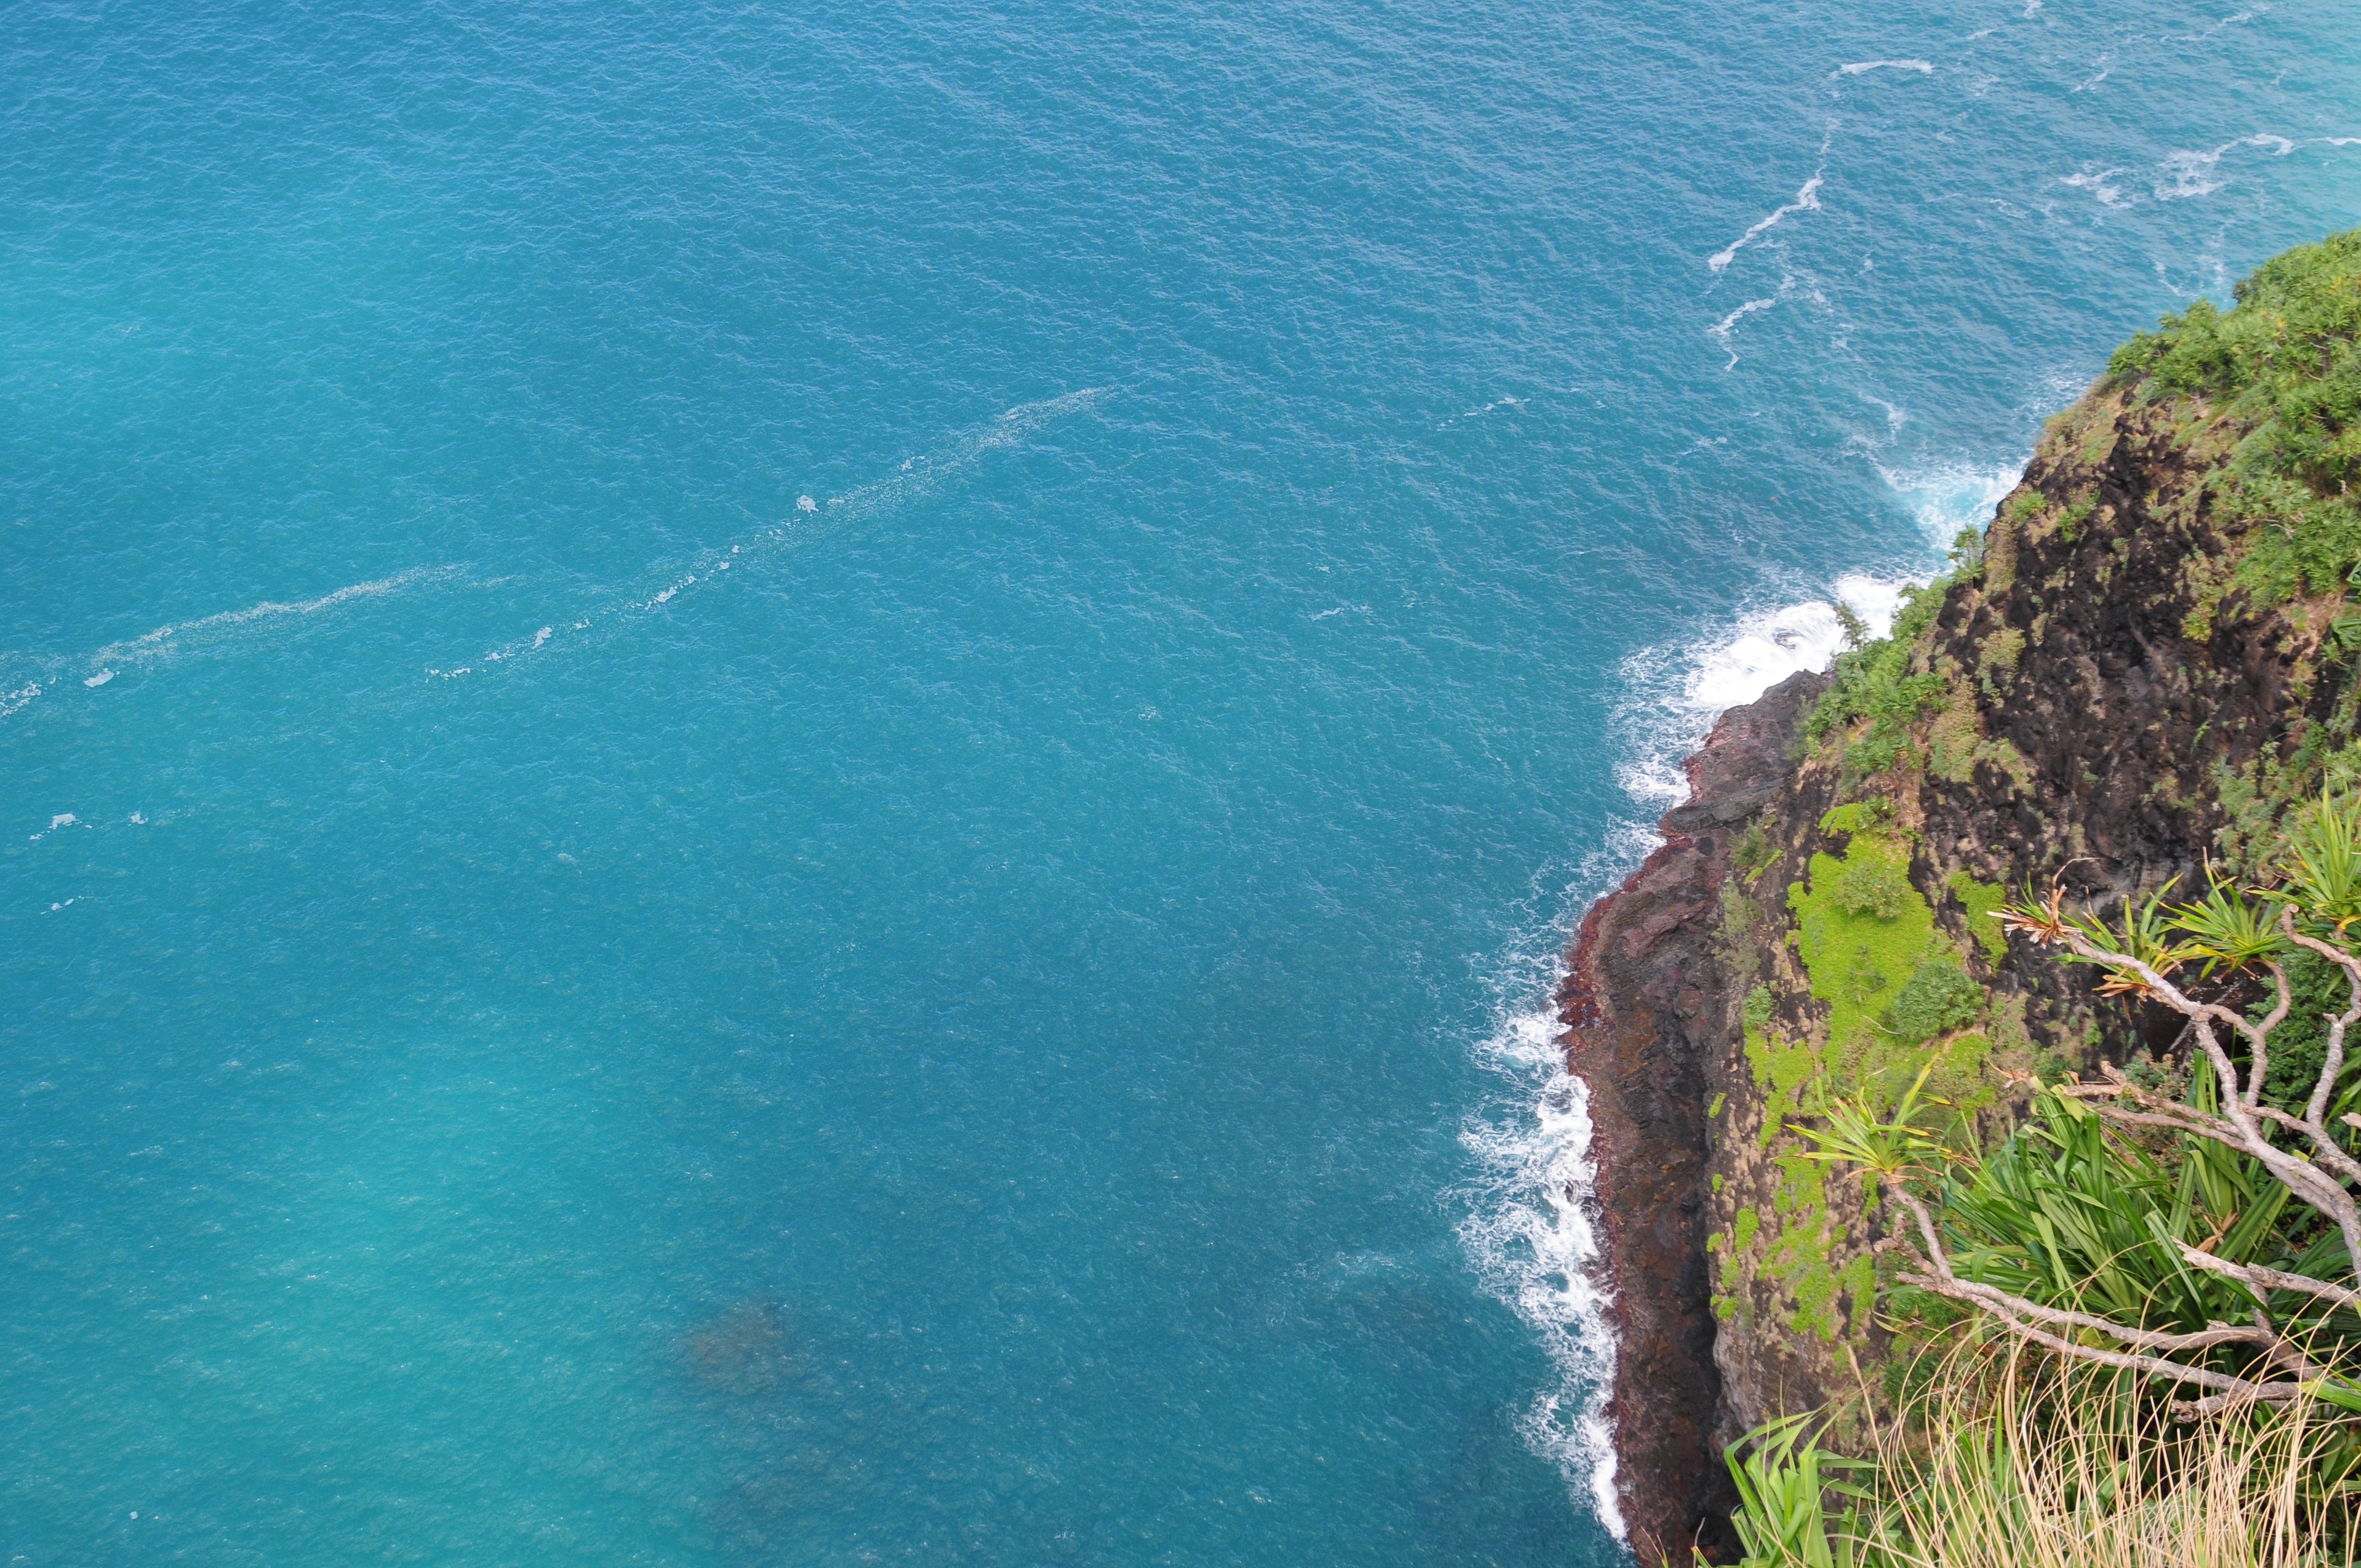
797, 785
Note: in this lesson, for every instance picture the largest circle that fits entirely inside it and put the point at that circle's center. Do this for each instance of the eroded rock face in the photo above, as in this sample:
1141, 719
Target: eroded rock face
2111, 705
1646, 1004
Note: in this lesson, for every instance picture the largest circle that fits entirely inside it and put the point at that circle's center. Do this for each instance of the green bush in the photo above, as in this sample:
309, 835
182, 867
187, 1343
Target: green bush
2284, 362
1875, 683
1935, 1001
1871, 885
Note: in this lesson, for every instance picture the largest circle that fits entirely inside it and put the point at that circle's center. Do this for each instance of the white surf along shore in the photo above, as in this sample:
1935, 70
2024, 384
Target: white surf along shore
1532, 1232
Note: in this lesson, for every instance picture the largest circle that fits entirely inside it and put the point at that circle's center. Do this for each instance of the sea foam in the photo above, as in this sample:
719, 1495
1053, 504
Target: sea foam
1532, 1226
1674, 694
1531, 1231
1807, 199
1534, 1242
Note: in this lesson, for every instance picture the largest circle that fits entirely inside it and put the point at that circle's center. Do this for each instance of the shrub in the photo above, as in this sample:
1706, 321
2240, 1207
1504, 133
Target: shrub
2139, 1225
2283, 362
1935, 1001
1871, 884
1874, 681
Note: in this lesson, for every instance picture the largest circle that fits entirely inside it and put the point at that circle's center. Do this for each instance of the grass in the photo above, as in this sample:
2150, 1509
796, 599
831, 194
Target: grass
1862, 932
2016, 1466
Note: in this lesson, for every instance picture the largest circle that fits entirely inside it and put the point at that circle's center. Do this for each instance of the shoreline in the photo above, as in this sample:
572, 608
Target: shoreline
1642, 1009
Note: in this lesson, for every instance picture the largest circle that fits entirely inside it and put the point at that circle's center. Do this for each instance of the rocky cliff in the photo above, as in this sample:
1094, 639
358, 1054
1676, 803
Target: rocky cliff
2125, 678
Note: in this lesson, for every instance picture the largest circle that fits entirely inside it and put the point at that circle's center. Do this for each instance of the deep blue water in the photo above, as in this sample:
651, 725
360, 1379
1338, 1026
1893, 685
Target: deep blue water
793, 786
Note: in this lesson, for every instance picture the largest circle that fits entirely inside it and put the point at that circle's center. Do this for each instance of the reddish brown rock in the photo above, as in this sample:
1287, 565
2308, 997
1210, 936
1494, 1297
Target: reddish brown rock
1646, 1006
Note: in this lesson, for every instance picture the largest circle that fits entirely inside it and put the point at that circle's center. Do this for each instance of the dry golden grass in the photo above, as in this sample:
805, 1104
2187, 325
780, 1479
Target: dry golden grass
2020, 1481
2023, 1466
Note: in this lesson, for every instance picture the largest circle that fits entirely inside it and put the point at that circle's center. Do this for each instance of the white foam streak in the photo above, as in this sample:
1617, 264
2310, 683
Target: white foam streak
1534, 1243
2099, 185
921, 476
1720, 331
229, 627
2189, 175
918, 477
1859, 68
210, 629
1807, 199
2224, 22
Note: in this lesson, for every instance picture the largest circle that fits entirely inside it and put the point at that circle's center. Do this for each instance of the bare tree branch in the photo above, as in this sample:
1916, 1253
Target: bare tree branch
2173, 1371
2261, 1034
2014, 1312
2257, 1278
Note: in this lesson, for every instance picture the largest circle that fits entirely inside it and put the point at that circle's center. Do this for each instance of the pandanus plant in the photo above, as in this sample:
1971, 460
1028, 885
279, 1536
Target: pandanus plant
2205, 1235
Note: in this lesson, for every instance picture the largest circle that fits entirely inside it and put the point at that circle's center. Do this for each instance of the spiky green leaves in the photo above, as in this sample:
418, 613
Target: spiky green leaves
2320, 869
1857, 1134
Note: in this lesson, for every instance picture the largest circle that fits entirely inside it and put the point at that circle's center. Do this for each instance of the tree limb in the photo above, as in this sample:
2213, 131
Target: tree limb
2257, 1278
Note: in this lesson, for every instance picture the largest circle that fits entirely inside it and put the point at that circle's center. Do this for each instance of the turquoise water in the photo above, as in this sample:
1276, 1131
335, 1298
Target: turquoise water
796, 787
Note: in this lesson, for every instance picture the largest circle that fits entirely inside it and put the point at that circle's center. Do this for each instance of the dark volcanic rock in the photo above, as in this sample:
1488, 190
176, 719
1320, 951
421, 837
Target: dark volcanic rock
2115, 710
1646, 1004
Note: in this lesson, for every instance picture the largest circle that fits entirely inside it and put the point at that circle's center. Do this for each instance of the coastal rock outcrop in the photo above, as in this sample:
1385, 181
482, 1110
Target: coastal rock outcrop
2141, 663
1647, 1002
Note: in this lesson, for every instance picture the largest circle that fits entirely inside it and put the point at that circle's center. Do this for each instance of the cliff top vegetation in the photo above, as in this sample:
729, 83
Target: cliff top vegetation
2139, 1168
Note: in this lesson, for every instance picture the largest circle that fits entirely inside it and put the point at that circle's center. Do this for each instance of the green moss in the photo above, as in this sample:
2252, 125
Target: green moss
1781, 1069
1870, 950
1847, 945
1713, 1112
1872, 814
1814, 1288
1860, 1281
1803, 1184
1799, 1263
1798, 1259
1982, 900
